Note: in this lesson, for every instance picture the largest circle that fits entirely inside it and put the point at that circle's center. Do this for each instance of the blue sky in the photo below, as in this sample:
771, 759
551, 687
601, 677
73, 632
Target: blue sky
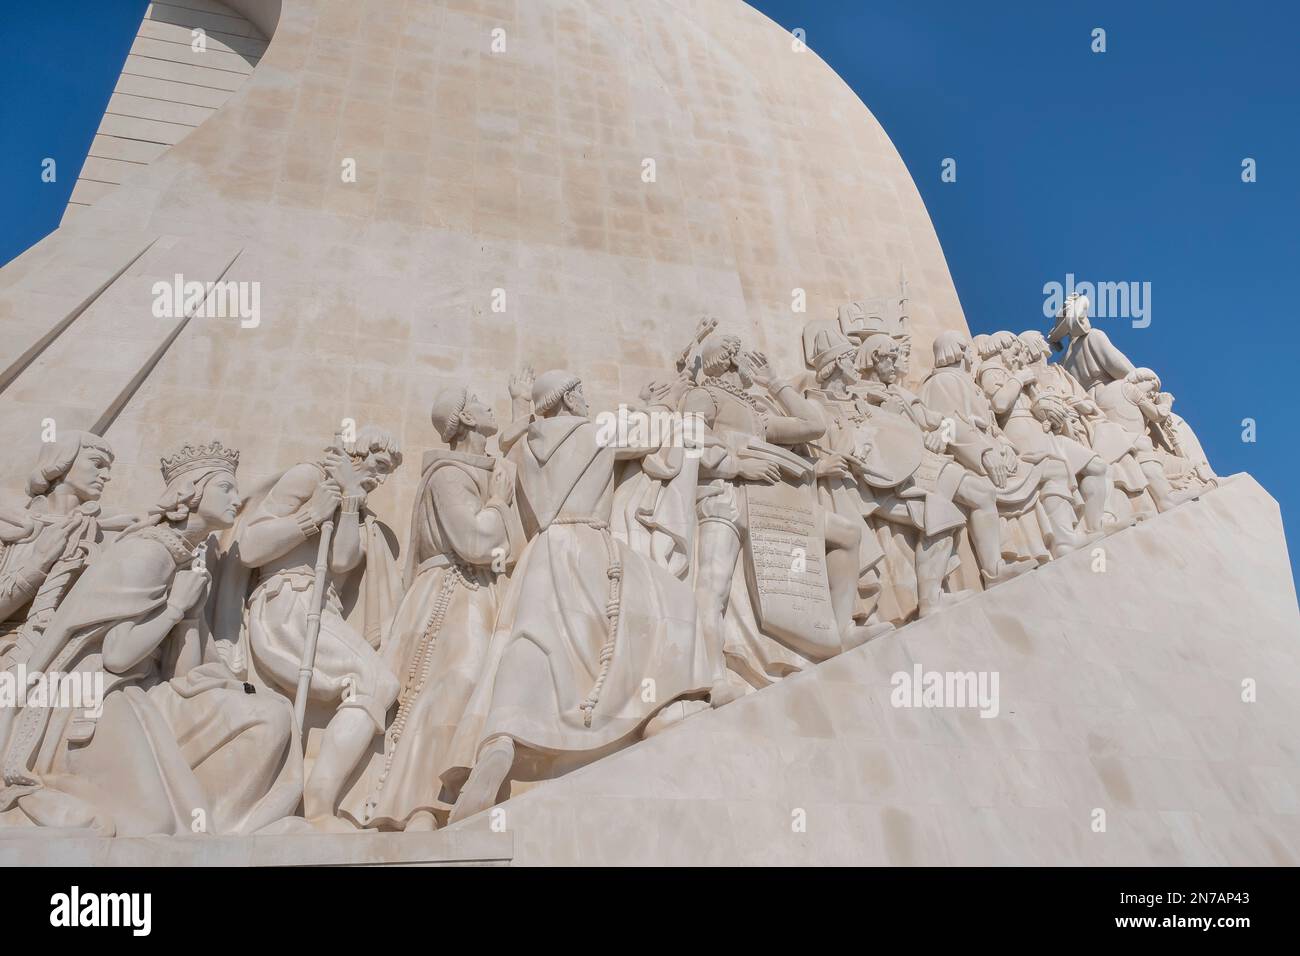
1115, 166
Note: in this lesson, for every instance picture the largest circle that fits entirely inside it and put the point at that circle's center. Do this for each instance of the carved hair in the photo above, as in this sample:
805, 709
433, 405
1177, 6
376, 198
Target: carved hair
371, 439
551, 387
1036, 344
720, 352
949, 348
446, 412
57, 457
1001, 340
872, 347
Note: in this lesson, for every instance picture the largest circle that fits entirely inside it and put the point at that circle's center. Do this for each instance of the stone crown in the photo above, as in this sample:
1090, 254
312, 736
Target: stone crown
195, 457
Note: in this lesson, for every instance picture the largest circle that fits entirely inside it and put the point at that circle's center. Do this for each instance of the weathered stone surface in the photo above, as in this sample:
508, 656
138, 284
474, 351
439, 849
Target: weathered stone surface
1119, 690
476, 171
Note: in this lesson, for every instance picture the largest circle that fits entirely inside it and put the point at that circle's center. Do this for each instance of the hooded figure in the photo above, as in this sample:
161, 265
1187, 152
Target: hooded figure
465, 535
586, 621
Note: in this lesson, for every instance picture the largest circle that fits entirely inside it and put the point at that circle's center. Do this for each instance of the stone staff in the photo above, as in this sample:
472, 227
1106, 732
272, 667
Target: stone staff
313, 619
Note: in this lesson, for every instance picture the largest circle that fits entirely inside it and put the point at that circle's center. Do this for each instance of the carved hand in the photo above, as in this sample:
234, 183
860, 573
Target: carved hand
188, 589
833, 466
343, 472
500, 486
995, 465
935, 442
751, 469
50, 543
521, 384
325, 500
759, 369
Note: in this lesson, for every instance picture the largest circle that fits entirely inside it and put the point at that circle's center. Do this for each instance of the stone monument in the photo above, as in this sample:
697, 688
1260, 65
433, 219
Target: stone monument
838, 585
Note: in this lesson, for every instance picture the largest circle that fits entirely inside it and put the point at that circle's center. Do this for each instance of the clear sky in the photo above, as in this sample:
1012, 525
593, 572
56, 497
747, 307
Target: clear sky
1122, 166
1117, 166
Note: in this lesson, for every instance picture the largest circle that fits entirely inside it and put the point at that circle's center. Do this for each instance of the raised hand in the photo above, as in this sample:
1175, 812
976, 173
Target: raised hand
521, 384
759, 369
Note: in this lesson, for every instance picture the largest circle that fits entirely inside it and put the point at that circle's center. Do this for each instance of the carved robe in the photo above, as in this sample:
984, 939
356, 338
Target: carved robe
165, 754
584, 624
439, 638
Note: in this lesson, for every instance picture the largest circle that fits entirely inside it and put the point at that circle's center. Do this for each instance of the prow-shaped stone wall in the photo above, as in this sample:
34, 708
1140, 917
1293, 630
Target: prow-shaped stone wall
1124, 701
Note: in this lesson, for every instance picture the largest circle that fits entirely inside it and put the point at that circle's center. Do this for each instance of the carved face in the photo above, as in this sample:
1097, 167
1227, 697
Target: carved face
373, 469
885, 365
88, 474
575, 402
904, 360
479, 416
220, 502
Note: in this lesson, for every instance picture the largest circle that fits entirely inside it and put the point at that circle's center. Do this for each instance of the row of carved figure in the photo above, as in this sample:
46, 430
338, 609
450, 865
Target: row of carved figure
598, 580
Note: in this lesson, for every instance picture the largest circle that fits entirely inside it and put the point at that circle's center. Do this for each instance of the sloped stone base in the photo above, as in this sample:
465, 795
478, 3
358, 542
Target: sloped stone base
1121, 692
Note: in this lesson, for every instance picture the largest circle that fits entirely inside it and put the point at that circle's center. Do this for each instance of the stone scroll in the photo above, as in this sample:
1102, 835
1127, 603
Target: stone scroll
786, 567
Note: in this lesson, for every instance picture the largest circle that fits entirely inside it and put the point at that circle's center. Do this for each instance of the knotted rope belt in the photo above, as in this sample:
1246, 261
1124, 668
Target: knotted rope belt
613, 571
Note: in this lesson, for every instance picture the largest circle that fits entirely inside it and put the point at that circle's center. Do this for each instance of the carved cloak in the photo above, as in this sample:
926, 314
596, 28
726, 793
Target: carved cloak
439, 637
165, 754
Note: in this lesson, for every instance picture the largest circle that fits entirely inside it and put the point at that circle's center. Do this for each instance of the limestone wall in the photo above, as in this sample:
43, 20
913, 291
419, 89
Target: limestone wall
477, 170
185, 62
1119, 690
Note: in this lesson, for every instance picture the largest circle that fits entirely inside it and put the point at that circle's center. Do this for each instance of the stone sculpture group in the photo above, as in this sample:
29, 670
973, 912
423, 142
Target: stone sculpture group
598, 581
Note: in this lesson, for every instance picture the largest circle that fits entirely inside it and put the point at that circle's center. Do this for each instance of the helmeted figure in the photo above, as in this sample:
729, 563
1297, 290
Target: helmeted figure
959, 467
762, 425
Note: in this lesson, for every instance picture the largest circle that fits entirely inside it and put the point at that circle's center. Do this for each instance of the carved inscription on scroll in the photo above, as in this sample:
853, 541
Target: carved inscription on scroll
787, 568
